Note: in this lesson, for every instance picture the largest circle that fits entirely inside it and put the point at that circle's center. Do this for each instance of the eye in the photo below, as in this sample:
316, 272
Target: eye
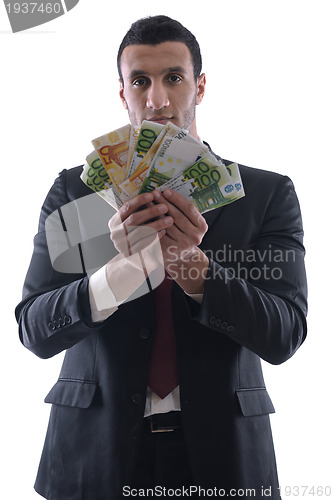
174, 78
139, 82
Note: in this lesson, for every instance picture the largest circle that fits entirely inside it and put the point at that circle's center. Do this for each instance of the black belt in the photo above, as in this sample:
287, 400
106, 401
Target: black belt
163, 422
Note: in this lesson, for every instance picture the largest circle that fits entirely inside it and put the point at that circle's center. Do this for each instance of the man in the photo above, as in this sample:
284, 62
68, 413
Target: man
238, 295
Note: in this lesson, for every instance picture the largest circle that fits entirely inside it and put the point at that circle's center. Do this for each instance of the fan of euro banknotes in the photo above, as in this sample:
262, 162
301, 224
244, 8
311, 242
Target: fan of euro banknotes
133, 160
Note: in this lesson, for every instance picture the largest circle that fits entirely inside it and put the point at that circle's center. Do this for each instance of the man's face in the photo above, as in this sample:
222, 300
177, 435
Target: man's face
159, 84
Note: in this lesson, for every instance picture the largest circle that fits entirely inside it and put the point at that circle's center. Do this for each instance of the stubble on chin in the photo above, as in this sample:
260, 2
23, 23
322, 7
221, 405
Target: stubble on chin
185, 122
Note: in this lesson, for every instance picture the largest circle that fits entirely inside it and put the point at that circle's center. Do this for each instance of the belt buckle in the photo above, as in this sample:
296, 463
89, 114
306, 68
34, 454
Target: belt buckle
154, 431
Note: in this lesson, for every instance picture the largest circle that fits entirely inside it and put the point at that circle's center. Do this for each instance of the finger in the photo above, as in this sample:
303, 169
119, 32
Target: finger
149, 215
187, 218
126, 236
134, 204
194, 227
189, 226
145, 215
147, 242
126, 212
182, 204
138, 233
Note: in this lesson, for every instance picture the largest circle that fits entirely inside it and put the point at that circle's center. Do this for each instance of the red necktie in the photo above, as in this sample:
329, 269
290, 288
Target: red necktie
163, 377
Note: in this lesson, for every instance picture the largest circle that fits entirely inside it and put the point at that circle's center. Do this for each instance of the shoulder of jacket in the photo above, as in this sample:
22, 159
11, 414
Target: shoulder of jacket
256, 179
72, 184
70, 174
258, 173
251, 174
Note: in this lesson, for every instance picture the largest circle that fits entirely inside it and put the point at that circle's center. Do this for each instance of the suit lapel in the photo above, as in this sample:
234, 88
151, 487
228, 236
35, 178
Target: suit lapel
211, 216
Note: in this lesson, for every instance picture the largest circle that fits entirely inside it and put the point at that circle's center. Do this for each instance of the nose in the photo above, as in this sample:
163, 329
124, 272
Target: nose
157, 97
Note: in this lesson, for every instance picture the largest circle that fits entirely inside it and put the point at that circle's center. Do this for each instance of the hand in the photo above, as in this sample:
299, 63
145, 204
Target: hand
136, 230
189, 226
183, 260
137, 220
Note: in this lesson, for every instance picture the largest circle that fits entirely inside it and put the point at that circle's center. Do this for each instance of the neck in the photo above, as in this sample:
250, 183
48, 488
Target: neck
193, 130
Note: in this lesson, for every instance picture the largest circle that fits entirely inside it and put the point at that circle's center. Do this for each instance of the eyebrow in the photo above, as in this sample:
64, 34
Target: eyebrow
171, 69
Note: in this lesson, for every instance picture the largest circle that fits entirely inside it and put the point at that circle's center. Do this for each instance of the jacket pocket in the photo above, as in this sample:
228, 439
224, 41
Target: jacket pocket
254, 402
75, 393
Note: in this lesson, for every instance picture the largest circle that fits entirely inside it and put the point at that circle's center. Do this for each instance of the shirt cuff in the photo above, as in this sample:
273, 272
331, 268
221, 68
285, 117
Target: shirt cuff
102, 301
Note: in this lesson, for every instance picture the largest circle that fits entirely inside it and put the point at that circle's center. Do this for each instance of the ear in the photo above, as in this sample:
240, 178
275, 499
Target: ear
121, 94
201, 85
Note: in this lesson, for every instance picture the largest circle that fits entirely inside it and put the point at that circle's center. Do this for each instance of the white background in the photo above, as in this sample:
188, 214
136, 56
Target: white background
268, 104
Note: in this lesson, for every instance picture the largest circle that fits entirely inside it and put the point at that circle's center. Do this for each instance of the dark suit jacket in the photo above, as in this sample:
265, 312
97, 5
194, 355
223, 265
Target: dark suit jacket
254, 306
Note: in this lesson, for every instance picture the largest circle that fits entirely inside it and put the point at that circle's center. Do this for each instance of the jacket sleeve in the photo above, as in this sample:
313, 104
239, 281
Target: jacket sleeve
260, 299
54, 313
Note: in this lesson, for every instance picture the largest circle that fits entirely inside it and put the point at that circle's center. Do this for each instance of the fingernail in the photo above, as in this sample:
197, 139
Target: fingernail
156, 194
167, 193
162, 208
168, 220
147, 197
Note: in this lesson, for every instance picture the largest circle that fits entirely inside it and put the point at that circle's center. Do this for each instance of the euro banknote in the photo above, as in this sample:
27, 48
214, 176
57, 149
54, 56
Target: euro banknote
133, 160
131, 186
134, 136
147, 136
94, 174
172, 157
96, 178
113, 152
208, 183
233, 170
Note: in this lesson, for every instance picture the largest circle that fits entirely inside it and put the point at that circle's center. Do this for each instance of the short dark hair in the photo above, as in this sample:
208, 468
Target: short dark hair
157, 29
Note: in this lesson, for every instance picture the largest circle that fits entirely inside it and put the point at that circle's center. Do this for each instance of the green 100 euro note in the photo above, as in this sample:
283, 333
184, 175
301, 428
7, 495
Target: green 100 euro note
208, 183
173, 156
96, 178
147, 136
132, 185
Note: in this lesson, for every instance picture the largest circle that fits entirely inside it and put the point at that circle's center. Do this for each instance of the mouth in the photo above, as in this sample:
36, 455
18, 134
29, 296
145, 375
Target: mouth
160, 119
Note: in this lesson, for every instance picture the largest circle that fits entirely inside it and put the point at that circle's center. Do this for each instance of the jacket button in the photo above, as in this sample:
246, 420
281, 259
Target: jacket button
224, 325
61, 321
51, 326
212, 320
56, 323
218, 322
144, 333
136, 398
67, 320
230, 329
